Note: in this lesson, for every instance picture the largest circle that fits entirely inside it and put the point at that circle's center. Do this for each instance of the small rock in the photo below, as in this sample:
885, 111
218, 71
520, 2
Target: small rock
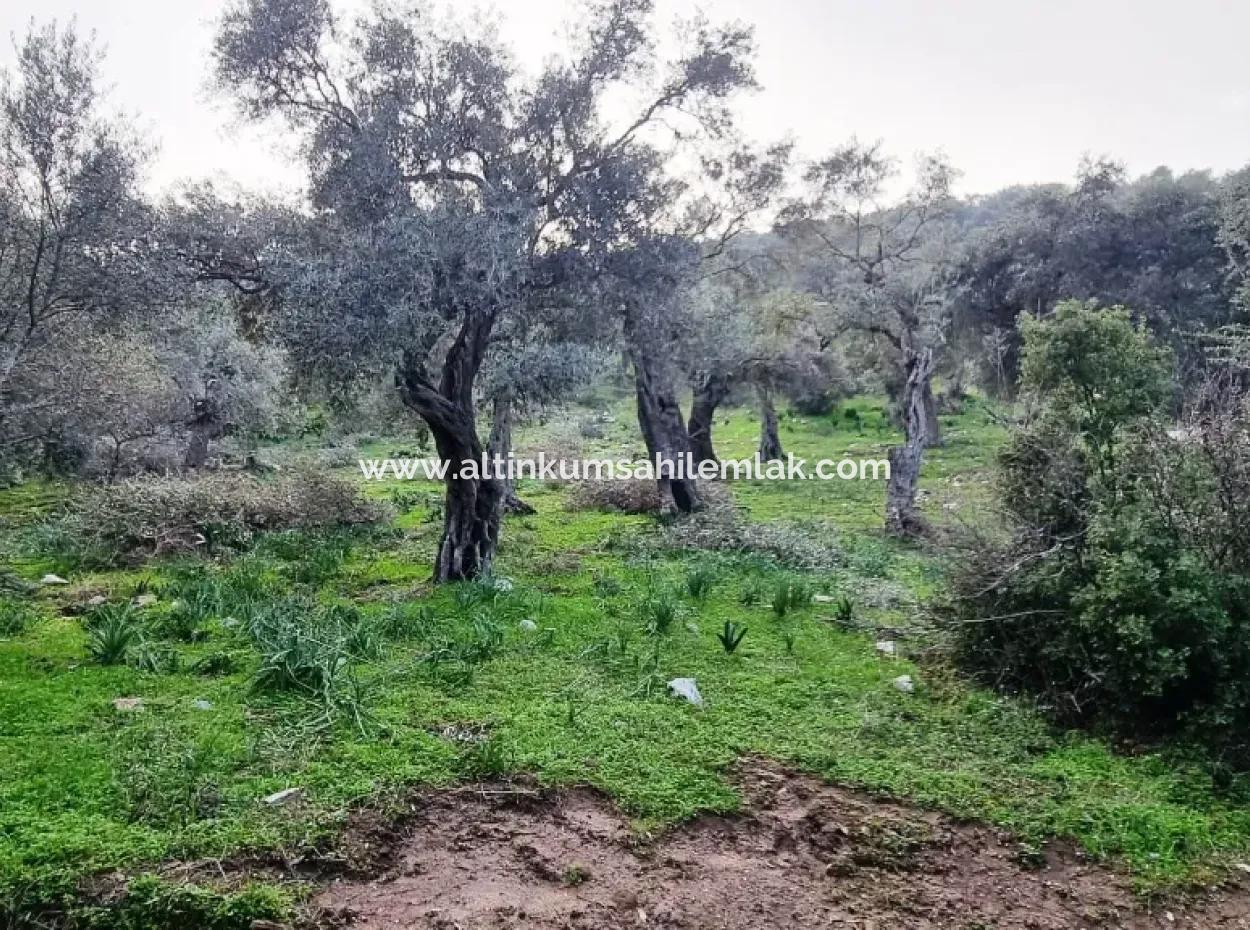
52, 579
145, 600
503, 584
128, 704
1244, 866
823, 598
229, 622
686, 688
887, 647
97, 600
286, 794
905, 684
202, 704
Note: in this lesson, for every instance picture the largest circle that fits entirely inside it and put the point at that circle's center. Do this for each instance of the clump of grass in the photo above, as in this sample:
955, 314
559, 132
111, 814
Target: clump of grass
213, 664
113, 632
149, 657
731, 636
488, 758
699, 581
752, 593
15, 617
844, 612
659, 611
169, 779
790, 594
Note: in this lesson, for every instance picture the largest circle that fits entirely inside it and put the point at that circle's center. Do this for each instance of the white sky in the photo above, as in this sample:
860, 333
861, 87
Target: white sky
1012, 90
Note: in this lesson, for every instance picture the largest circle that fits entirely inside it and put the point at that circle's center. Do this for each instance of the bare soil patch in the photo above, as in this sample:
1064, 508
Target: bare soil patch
802, 855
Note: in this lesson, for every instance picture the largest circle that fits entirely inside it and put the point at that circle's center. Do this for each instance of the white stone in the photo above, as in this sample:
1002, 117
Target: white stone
887, 647
145, 600
128, 704
905, 684
281, 797
52, 579
528, 625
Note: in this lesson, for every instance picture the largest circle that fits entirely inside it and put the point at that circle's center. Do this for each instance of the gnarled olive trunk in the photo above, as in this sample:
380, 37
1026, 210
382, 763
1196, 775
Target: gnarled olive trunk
898, 408
901, 516
204, 427
662, 426
474, 504
709, 392
770, 439
499, 446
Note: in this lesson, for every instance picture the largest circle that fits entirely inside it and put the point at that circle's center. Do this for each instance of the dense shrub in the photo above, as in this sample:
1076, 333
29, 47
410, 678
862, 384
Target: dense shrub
1122, 594
153, 516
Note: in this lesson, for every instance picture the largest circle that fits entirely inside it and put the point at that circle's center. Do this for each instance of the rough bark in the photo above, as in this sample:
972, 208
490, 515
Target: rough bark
770, 439
709, 393
901, 516
933, 429
663, 428
204, 427
499, 445
474, 505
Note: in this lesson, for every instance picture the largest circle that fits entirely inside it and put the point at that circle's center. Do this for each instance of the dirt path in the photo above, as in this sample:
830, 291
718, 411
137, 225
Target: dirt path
804, 855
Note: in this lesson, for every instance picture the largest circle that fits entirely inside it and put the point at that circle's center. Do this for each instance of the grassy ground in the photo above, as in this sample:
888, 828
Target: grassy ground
562, 676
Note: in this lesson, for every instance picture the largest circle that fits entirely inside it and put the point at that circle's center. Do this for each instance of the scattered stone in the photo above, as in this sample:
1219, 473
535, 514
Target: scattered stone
52, 579
686, 688
128, 704
529, 626
1244, 866
281, 797
905, 684
97, 600
887, 647
202, 704
229, 622
503, 585
145, 600
823, 598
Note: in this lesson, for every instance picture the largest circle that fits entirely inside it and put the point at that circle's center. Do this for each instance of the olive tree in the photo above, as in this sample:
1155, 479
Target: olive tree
450, 192
882, 266
74, 232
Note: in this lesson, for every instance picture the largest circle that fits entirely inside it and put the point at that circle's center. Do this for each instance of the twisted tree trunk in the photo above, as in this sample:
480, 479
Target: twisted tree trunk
474, 504
770, 439
709, 393
901, 516
663, 429
499, 446
204, 428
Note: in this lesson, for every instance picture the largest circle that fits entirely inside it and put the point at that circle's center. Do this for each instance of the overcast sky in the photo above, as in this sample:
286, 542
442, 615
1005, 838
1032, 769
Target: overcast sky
1012, 90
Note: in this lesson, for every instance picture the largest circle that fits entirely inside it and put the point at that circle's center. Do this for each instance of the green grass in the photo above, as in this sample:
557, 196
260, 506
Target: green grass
574, 696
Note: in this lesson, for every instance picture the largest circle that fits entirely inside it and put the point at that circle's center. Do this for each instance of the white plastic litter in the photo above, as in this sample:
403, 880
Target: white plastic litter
686, 688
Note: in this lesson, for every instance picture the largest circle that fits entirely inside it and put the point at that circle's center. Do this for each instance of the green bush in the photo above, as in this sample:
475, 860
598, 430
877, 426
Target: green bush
1121, 593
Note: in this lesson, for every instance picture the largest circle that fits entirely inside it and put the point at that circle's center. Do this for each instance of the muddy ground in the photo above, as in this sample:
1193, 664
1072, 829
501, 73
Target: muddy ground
802, 855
